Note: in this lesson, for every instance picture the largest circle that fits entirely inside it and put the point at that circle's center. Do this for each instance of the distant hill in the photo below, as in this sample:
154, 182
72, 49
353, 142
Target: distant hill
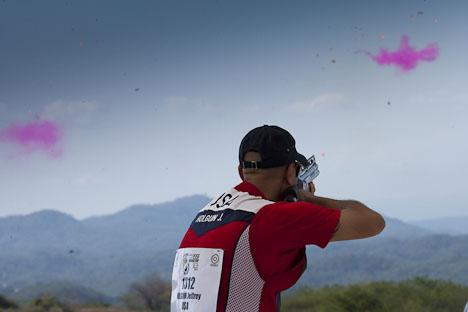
107, 253
448, 225
435, 256
395, 228
42, 230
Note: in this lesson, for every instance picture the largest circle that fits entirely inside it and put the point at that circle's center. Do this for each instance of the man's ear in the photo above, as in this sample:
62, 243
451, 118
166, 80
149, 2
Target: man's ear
291, 174
241, 174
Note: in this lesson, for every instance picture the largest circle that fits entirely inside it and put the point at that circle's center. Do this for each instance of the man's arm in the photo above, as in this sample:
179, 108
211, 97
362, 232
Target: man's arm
356, 220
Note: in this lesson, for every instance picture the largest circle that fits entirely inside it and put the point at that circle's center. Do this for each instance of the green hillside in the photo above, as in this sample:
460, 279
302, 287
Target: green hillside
415, 295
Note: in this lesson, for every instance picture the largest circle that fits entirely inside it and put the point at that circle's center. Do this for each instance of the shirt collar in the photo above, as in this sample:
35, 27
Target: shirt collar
249, 188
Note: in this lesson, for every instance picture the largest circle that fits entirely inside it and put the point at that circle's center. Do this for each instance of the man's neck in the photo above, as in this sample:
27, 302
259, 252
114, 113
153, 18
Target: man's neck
268, 191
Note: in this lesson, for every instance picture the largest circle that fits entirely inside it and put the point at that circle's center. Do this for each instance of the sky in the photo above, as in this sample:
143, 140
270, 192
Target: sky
152, 98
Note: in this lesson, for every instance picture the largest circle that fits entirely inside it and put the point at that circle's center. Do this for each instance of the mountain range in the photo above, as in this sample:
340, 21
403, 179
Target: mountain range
448, 225
104, 255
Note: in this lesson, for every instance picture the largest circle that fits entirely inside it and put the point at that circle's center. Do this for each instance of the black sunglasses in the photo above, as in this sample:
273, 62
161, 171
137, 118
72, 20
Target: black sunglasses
298, 168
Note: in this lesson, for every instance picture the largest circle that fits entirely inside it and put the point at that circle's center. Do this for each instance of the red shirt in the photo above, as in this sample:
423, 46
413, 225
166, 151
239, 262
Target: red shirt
263, 242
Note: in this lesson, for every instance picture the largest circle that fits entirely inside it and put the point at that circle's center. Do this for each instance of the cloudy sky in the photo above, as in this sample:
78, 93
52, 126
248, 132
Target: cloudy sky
154, 97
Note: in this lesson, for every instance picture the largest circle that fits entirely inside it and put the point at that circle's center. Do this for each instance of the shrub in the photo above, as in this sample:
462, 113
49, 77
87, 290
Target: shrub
7, 303
48, 303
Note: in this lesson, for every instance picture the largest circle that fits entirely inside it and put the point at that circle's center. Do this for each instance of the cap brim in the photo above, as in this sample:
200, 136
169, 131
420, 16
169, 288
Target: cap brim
301, 160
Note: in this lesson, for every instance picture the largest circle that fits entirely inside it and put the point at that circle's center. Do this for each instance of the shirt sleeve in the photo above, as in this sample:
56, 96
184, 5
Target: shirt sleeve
294, 225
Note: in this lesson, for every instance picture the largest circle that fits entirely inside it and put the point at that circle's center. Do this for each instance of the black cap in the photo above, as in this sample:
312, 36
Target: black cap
276, 146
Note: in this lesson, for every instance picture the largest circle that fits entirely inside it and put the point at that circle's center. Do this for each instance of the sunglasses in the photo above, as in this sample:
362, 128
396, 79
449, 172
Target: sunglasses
298, 168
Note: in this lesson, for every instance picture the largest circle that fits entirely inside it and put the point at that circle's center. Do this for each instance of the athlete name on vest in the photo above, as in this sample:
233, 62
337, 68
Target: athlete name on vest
185, 295
216, 216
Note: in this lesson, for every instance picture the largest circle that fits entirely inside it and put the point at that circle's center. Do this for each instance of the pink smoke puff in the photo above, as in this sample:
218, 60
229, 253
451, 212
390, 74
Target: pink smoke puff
36, 135
406, 57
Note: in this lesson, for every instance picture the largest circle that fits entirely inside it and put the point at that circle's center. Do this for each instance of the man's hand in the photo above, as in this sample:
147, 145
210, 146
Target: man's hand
302, 194
312, 188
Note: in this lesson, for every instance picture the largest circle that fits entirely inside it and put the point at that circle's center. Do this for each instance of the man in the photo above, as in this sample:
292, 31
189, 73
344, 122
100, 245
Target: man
248, 245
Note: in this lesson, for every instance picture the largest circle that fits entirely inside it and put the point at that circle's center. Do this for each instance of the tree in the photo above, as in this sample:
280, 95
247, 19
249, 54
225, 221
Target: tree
152, 293
48, 303
7, 303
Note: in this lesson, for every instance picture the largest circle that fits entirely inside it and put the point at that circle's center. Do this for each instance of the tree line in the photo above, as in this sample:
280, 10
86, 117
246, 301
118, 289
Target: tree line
414, 295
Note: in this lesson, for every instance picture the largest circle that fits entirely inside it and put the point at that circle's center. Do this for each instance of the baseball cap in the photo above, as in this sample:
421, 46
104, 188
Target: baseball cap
276, 146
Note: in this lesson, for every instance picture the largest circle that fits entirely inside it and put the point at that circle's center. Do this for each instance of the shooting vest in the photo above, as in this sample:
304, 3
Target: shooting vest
221, 229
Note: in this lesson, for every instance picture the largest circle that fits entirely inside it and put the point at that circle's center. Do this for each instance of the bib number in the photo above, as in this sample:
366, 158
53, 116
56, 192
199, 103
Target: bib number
195, 279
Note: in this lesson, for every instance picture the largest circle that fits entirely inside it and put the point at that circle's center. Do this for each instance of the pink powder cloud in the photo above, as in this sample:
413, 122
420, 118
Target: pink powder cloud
36, 135
406, 57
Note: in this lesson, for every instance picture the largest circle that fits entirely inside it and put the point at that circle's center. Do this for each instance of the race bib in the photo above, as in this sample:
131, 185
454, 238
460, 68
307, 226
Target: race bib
195, 279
